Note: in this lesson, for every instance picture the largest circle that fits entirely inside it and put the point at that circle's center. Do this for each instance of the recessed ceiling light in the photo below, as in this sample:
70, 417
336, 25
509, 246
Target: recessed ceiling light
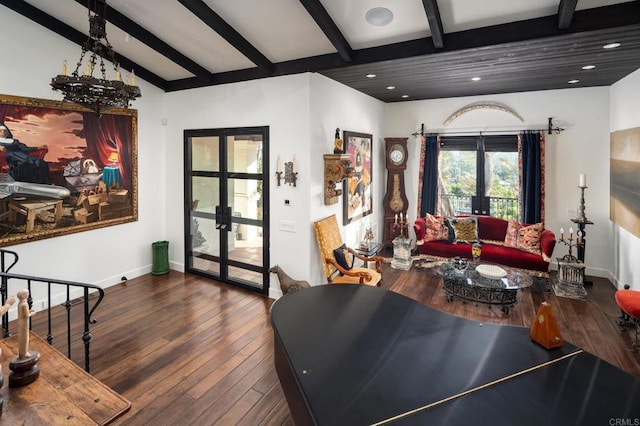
379, 16
371, 75
405, 96
391, 87
611, 45
573, 81
476, 78
588, 67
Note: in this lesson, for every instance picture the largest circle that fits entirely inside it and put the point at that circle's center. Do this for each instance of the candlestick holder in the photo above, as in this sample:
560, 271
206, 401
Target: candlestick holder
581, 215
570, 244
290, 176
278, 177
401, 227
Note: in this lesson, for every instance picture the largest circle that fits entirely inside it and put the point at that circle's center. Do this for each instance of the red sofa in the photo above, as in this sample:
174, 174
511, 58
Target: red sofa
491, 233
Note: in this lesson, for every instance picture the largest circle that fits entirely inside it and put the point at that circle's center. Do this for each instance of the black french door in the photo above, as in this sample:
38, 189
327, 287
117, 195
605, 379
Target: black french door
226, 205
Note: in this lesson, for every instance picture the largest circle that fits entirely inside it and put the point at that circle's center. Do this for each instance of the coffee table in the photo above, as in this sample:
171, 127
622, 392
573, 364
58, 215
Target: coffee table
468, 284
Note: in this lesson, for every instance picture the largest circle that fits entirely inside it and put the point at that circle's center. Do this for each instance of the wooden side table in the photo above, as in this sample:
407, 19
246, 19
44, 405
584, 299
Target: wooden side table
30, 208
63, 394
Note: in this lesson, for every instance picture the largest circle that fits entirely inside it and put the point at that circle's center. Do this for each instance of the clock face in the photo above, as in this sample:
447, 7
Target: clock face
397, 154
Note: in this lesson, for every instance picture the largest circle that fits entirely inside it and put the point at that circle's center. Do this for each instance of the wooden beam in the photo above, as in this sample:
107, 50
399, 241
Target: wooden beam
329, 28
566, 9
146, 37
435, 22
219, 25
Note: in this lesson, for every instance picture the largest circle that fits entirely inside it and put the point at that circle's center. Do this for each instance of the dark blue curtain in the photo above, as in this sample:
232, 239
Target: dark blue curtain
532, 177
429, 194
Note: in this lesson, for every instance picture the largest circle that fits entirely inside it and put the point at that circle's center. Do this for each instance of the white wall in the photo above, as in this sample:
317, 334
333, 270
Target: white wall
104, 255
582, 148
334, 105
625, 114
302, 112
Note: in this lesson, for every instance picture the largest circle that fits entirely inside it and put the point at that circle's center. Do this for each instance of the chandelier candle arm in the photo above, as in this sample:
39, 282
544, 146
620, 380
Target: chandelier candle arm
95, 93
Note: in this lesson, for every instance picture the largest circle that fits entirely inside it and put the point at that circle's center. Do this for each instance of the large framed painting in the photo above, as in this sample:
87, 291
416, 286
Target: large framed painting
64, 169
624, 203
357, 201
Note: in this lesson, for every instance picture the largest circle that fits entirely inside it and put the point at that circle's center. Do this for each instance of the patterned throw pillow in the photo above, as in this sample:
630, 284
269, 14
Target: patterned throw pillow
525, 238
343, 257
465, 229
435, 228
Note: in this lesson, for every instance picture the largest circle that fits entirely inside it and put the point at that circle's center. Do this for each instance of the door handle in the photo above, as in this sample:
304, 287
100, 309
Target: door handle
218, 217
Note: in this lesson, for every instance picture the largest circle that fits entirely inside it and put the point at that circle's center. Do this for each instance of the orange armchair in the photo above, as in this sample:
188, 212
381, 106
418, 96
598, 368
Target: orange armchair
329, 238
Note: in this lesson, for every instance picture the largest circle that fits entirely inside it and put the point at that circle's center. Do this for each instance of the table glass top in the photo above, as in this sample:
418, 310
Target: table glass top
513, 279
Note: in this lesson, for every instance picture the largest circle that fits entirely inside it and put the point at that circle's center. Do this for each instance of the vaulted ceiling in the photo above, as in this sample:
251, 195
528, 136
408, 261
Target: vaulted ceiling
430, 49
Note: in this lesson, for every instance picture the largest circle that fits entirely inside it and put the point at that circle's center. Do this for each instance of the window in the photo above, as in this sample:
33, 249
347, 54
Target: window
479, 175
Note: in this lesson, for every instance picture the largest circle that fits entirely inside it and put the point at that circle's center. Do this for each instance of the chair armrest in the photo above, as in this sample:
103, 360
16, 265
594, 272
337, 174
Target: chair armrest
377, 259
420, 228
362, 275
547, 244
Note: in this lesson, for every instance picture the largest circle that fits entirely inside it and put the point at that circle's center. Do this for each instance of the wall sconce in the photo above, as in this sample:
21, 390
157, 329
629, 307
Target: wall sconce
336, 168
290, 171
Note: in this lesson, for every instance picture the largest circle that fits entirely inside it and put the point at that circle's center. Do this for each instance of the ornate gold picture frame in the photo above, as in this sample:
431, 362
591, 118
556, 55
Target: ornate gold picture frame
63, 169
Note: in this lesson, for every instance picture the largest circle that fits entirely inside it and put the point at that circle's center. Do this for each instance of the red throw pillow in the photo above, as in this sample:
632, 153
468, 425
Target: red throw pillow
525, 238
435, 228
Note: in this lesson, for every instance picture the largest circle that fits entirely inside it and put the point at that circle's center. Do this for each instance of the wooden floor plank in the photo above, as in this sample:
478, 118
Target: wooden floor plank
188, 350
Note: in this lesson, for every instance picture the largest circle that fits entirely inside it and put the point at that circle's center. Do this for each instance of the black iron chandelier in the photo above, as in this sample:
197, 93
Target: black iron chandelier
97, 94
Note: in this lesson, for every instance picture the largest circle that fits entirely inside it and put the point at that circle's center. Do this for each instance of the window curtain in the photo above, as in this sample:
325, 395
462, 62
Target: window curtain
531, 170
428, 175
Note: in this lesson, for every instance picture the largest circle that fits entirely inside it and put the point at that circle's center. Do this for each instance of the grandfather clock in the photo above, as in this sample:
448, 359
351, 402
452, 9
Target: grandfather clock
395, 200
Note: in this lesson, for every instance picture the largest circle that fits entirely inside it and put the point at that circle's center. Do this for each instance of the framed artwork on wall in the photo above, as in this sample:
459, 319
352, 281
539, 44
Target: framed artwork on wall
624, 203
357, 192
64, 169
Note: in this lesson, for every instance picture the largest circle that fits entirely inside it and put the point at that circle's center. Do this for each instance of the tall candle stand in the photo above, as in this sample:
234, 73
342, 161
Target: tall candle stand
570, 244
582, 222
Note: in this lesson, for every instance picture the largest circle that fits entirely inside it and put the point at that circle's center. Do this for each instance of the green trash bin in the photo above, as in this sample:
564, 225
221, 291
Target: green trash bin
160, 263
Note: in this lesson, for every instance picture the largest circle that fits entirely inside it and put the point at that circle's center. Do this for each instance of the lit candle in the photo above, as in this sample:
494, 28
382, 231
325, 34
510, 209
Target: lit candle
400, 217
396, 218
278, 165
295, 164
583, 180
133, 77
64, 67
562, 233
118, 72
571, 233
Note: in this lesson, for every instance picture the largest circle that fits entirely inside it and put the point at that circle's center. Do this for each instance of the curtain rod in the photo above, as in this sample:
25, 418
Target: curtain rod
550, 129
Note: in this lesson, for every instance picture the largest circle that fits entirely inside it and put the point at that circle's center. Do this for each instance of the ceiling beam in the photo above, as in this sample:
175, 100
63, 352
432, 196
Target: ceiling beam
144, 36
435, 22
566, 9
77, 37
329, 28
219, 25
619, 15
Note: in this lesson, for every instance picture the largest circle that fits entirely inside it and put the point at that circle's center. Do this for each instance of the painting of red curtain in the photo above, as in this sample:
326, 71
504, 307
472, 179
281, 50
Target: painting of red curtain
64, 169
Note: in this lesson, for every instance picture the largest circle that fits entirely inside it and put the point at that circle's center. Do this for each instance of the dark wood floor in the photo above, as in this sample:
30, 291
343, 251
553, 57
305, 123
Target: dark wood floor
187, 350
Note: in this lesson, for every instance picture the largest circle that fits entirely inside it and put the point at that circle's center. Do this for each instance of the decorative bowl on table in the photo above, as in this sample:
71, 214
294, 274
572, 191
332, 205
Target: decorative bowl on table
492, 272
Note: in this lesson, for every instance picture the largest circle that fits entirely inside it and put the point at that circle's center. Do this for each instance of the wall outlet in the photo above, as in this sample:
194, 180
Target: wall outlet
287, 202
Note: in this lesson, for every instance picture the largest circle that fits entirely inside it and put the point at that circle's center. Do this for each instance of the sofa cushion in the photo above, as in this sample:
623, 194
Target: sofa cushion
465, 229
435, 228
491, 229
523, 237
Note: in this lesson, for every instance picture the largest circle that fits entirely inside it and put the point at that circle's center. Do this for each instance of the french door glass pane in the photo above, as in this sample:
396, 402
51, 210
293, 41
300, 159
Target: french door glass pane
501, 184
205, 154
458, 170
206, 194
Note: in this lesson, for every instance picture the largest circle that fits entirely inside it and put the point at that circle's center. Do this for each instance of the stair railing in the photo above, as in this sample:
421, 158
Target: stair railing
8, 280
